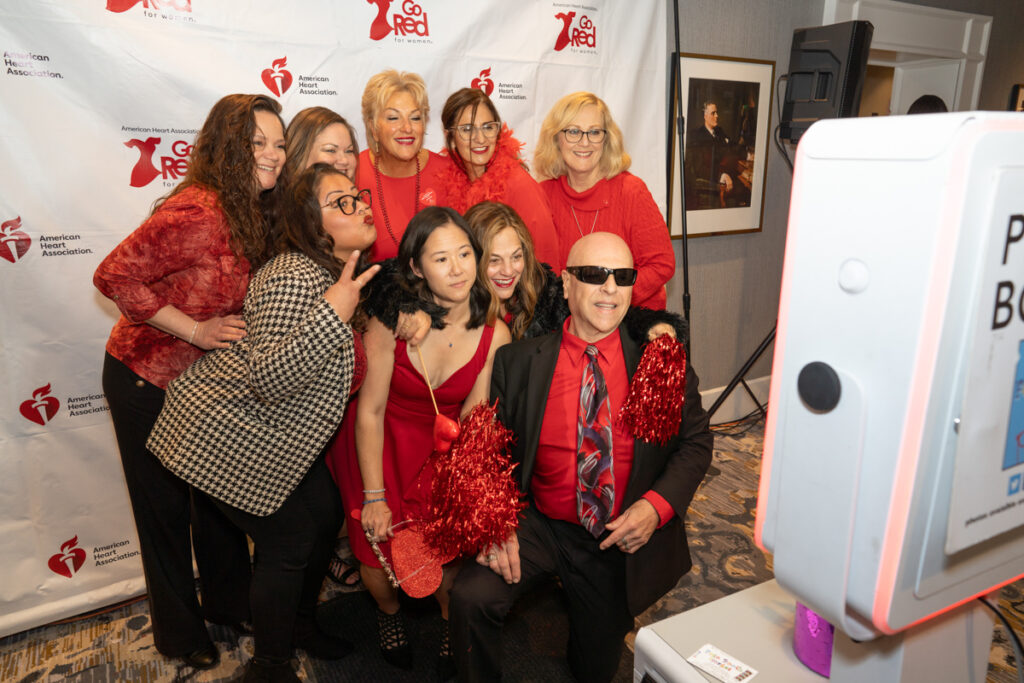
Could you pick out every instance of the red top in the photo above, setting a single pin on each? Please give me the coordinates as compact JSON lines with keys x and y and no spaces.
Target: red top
{"x":179,"y":256}
{"x":506,"y":181}
{"x":399,"y":200}
{"x":622,"y":205}
{"x":554,"y":475}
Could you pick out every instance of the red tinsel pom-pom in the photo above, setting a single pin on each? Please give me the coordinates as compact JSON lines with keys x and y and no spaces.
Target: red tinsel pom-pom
{"x":474,"y":499}
{"x":653,"y":409}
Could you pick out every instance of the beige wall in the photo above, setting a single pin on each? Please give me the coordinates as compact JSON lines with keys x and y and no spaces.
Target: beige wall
{"x":734,"y":280}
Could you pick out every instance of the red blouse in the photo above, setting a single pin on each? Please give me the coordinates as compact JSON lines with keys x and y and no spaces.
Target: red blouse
{"x":399,"y":200}
{"x":622,"y":205}
{"x":179,"y":256}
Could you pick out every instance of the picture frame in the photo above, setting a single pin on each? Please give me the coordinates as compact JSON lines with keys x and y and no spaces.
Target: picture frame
{"x":725,"y":166}
{"x":1016,"y":98}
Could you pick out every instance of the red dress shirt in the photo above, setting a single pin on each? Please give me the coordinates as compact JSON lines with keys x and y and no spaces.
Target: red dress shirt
{"x":554,"y":475}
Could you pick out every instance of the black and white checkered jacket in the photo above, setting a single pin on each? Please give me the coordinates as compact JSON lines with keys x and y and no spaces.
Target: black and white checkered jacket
{"x":245,"y":423}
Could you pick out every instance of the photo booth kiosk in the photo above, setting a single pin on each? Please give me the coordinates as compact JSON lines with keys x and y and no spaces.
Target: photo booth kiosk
{"x":891,"y":485}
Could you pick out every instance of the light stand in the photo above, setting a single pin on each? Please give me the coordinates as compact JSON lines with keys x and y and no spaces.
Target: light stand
{"x":677,"y":108}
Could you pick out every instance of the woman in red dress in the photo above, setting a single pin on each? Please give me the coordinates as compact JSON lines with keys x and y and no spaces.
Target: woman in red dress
{"x":401,"y":176}
{"x":582,"y":155}
{"x":384,"y":479}
{"x":484,"y":165}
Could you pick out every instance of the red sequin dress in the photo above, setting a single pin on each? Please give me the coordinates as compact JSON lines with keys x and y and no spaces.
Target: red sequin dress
{"x":408,"y":441}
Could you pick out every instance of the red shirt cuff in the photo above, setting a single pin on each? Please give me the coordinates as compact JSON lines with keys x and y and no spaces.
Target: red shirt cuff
{"x":661,"y":506}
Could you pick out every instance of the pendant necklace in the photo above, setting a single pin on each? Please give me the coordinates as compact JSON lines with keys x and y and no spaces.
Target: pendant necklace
{"x":380,"y":194}
{"x":592,"y":225}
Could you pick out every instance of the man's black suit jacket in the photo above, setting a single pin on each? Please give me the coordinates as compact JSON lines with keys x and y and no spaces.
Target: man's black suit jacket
{"x":520,"y":381}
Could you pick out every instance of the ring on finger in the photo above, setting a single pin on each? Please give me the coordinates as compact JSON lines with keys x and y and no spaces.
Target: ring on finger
{"x":492,"y":557}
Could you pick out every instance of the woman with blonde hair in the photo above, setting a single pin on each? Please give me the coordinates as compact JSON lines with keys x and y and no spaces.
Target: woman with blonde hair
{"x":401,"y":175}
{"x":581,"y":156}
{"x":321,"y":135}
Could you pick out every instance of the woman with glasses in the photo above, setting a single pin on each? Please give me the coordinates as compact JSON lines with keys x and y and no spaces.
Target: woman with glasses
{"x":179,"y":280}
{"x":401,"y":175}
{"x":484,"y":165}
{"x":581,"y":155}
{"x":321,"y":135}
{"x":249,"y":424}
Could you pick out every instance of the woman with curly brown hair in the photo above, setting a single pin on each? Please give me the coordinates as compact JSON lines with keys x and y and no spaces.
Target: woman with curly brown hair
{"x":179,"y":281}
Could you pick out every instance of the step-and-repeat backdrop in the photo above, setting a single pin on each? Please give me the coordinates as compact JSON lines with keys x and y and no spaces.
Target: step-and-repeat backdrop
{"x":101,"y":101}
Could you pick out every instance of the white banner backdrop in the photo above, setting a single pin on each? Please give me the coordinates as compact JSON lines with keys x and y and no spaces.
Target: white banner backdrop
{"x":101,"y":102}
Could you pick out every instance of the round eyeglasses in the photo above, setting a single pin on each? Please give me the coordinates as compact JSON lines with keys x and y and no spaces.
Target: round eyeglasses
{"x":573,"y":135}
{"x":346,"y":203}
{"x":466,"y":131}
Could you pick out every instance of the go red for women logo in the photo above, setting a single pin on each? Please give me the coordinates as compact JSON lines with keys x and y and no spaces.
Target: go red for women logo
{"x":13,"y":241}
{"x":69,"y":560}
{"x":483,"y":82}
{"x":411,"y":21}
{"x":42,"y":407}
{"x":171,"y":167}
{"x":277,"y":78}
{"x":583,"y":34}
{"x":125,"y":5}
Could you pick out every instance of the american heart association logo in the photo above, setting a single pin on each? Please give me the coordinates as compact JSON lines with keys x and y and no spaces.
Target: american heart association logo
{"x":69,"y":560}
{"x":41,"y":407}
{"x":277,"y":78}
{"x":13,"y":242}
{"x":483,"y":82}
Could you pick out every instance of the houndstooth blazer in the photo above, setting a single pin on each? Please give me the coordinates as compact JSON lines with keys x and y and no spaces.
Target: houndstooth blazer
{"x":245,"y":423}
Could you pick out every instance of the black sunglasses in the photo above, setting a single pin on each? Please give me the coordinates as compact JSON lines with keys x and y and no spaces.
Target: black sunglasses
{"x":598,"y":275}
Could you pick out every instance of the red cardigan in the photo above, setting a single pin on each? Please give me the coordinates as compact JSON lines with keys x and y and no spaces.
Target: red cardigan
{"x":179,"y":256}
{"x":625,"y":207}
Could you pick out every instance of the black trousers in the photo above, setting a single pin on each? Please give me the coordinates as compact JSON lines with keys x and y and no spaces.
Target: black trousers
{"x":167,"y":511}
{"x":293,"y":547}
{"x":595,"y":586}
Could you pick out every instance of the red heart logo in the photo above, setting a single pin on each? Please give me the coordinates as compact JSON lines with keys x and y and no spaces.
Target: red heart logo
{"x":277,"y":79}
{"x":40,"y":408}
{"x":13,"y":242}
{"x":59,"y":563}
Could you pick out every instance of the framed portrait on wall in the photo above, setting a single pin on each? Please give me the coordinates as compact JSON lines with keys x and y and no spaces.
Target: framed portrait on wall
{"x":727,"y":104}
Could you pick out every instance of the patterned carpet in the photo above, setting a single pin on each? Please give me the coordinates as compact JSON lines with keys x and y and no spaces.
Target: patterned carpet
{"x":117,"y":645}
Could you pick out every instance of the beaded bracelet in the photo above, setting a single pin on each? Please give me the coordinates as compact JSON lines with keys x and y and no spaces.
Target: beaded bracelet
{"x":373,"y":490}
{"x":193,"y":335}
{"x":374,"y":500}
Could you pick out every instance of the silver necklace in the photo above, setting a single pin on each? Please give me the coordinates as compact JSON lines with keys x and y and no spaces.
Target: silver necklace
{"x":592,"y":225}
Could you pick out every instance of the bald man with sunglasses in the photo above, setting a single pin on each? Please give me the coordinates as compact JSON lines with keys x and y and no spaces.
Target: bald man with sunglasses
{"x":605,"y":511}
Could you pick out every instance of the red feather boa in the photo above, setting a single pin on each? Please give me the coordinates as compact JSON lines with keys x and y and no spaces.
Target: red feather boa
{"x":490,"y":187}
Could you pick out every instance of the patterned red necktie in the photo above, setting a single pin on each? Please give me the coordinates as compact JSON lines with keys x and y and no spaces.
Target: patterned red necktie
{"x":595,"y":486}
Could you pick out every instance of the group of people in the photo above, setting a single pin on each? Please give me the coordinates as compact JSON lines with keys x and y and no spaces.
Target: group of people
{"x":280,"y":358}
